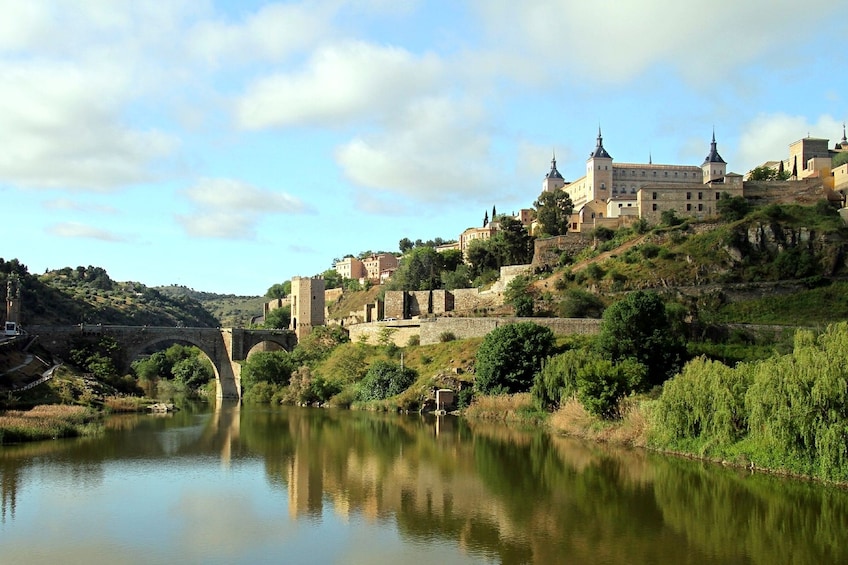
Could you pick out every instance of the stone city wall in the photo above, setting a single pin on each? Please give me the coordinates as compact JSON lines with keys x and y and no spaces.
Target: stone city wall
{"x":806,"y":191}
{"x":430,"y":330}
{"x":546,"y":251}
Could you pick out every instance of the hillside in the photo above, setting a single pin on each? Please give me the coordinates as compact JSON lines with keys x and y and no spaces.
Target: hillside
{"x":229,"y":309}
{"x":88,"y":294}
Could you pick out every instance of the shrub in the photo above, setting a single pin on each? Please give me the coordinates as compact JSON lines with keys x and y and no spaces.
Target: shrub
{"x":413,"y":340}
{"x":649,"y":250}
{"x":445,"y":337}
{"x":557,"y":381}
{"x":601,"y":384}
{"x":594,"y":271}
{"x":580,"y":304}
{"x":510,"y":356}
{"x":385,"y":379}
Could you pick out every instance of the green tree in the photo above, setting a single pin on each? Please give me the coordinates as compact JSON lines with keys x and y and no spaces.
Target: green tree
{"x":601,"y":384}
{"x":385,"y":379}
{"x":638,"y":327}
{"x":332,"y":279}
{"x":510,"y":356}
{"x":279,"y":290}
{"x":512,"y":244}
{"x":273,"y":367}
{"x":765,"y":173}
{"x":278,"y":318}
{"x":405,"y":245}
{"x":553,"y":211}
{"x":733,"y":208}
{"x":193,"y":372}
{"x":420,"y":269}
{"x":519,"y":294}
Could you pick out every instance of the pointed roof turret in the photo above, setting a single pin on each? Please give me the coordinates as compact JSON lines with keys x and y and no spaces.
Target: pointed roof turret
{"x":599,"y":151}
{"x":713,"y":157}
{"x":844,"y":144}
{"x":554,"y":173}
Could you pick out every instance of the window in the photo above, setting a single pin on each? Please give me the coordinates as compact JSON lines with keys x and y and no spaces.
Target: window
{"x":675,"y":173}
{"x":653,"y":196}
{"x":688,"y":196}
{"x":700,"y":196}
{"x":665,"y":173}
{"x":655,"y":173}
{"x":603,"y":186}
{"x":643,"y":173}
{"x":700,"y":207}
{"x":654,"y":207}
{"x":718,"y":196}
{"x":684,"y":175}
{"x":688,"y":207}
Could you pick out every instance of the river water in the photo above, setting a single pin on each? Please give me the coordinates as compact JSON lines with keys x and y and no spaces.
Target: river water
{"x":296,"y":485}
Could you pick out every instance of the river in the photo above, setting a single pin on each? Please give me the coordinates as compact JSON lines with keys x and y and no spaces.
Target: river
{"x":297,"y":485}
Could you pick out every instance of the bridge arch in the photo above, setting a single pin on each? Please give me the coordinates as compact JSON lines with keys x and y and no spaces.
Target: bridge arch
{"x":225,"y":347}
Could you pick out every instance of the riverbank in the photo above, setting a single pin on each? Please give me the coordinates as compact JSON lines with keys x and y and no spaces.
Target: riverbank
{"x":51,"y":421}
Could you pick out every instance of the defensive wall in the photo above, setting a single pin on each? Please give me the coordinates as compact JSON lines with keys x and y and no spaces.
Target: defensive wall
{"x":430,"y":330}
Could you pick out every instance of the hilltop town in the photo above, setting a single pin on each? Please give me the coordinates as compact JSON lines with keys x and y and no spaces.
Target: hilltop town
{"x":609,"y":197}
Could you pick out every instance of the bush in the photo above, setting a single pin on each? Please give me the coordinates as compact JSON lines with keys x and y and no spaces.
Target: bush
{"x":601,"y":384}
{"x":557,"y":381}
{"x":445,"y":337}
{"x":413,"y":340}
{"x":510,"y":356}
{"x":580,"y":304}
{"x":385,"y":379}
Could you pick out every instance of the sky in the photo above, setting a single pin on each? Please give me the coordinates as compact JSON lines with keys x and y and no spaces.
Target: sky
{"x":230,"y":145}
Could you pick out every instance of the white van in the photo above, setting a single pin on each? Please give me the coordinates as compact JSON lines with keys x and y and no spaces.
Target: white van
{"x":11,"y":329}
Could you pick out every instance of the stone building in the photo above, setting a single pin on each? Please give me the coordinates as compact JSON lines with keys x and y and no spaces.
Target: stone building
{"x":351,"y":268}
{"x":307,"y":304}
{"x":613,"y":194}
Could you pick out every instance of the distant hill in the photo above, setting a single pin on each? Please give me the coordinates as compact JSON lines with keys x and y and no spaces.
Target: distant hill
{"x":231,"y":310}
{"x":88,"y":294}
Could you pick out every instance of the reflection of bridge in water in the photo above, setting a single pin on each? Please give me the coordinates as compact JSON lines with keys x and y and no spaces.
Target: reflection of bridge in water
{"x":224,"y":347}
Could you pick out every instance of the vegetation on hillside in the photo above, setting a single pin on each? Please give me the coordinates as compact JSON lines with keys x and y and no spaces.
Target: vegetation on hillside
{"x":89,"y":295}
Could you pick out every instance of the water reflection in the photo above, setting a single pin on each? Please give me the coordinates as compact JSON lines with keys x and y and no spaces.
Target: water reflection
{"x":491,"y":493}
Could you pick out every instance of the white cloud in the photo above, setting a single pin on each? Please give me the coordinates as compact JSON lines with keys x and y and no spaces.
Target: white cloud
{"x":274,"y":32}
{"x":437,"y":150}
{"x":612,"y":42}
{"x":227,"y":208}
{"x":340,"y":83}
{"x":61,"y":128}
{"x":767,"y":137}
{"x":83,"y":231}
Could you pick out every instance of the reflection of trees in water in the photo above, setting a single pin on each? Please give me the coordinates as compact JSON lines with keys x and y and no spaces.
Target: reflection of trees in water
{"x":517,"y":496}
{"x":732,"y":513}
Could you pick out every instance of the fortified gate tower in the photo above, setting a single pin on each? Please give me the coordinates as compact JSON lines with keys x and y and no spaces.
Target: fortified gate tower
{"x":307,"y":304}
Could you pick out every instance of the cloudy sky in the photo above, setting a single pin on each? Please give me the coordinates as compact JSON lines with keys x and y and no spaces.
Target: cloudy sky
{"x":230,"y":145}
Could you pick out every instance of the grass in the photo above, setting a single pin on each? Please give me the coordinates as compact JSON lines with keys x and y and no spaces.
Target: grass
{"x":632,"y":429}
{"x":513,"y":408}
{"x":46,"y":422}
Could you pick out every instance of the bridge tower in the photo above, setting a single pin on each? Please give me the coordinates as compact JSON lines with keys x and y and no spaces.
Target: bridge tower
{"x":13,"y":299}
{"x":307,"y":304}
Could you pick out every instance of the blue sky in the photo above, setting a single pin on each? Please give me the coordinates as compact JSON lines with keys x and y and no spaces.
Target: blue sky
{"x":228,"y":146}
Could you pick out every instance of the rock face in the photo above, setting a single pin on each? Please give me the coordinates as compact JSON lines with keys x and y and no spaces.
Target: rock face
{"x":768,"y":240}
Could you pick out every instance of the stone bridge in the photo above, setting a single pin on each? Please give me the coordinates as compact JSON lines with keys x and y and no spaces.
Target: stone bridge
{"x":223,"y":346}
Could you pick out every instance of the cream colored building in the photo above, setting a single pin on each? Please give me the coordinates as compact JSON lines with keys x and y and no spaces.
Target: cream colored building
{"x":351,"y":268}
{"x":307,"y":304}
{"x":613,"y":192}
